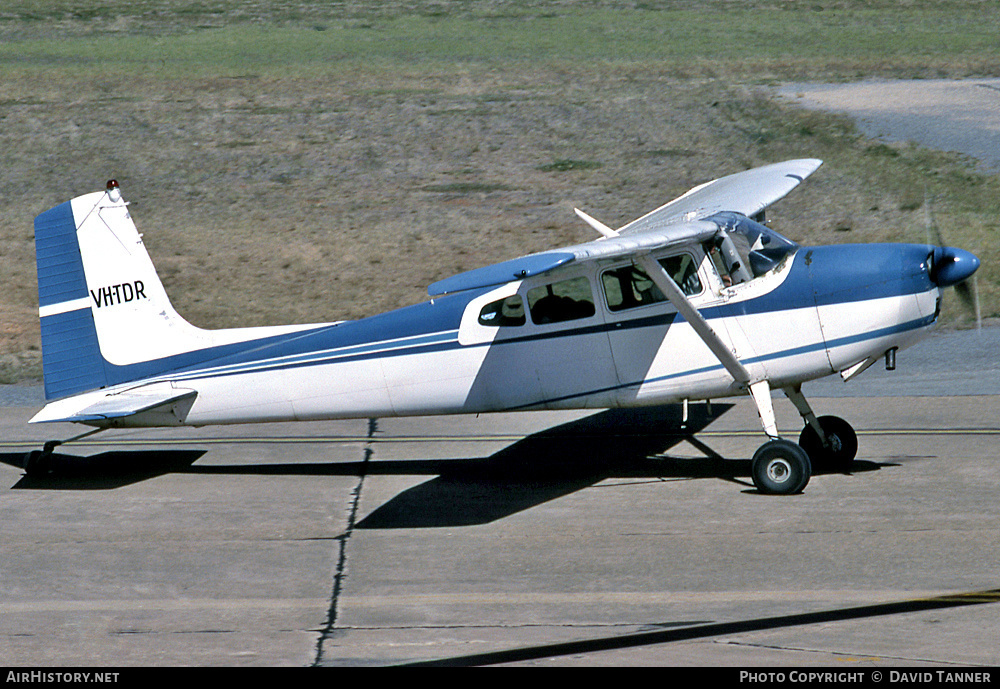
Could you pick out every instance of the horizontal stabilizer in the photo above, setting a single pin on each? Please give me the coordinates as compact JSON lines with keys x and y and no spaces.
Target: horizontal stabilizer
{"x":101,"y":410}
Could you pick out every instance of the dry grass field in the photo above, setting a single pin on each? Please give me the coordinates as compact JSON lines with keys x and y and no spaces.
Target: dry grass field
{"x":308,"y":161}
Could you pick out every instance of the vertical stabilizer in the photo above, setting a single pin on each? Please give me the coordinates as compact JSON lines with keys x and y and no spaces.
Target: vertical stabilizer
{"x":102,"y":306}
{"x":105,"y":317}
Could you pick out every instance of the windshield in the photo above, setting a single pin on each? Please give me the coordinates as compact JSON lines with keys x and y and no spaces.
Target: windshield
{"x":764,"y":247}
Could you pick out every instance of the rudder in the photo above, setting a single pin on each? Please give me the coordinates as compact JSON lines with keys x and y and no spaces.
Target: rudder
{"x":71,"y":356}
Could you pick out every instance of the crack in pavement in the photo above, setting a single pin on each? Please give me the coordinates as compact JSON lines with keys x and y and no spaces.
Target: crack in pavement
{"x":340,"y":573}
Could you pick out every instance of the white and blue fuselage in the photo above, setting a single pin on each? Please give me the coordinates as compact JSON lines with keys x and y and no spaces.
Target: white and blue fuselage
{"x":823,"y":310}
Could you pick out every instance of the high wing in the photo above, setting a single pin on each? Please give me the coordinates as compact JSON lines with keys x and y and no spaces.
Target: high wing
{"x":536,"y":264}
{"x":748,"y":192}
{"x":681,"y":221}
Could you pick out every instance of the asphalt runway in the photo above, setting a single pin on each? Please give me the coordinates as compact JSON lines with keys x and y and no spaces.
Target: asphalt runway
{"x":541,"y":538}
{"x":960,"y":115}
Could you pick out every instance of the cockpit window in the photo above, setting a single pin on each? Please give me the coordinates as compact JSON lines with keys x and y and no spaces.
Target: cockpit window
{"x":730,"y":259}
{"x":629,"y":286}
{"x":503,"y":312}
{"x":566,"y":300}
{"x":684,"y":272}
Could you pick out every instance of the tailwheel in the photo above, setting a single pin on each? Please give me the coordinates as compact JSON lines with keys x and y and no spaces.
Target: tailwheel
{"x":39,"y":462}
{"x":841,"y":447}
{"x":780,"y":467}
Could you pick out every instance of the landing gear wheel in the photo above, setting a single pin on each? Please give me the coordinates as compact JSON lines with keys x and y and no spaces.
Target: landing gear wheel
{"x":780,"y":467}
{"x":842,"y":449}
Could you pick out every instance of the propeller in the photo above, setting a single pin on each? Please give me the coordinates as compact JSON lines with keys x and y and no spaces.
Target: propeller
{"x":953,"y":267}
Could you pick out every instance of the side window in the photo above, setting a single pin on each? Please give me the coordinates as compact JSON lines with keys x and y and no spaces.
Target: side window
{"x":503,"y":312}
{"x":628,"y":287}
{"x":561,"y":301}
{"x":683,"y":270}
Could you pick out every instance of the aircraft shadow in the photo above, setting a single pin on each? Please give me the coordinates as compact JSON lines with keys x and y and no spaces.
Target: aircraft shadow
{"x":103,"y":471}
{"x":617,"y":443}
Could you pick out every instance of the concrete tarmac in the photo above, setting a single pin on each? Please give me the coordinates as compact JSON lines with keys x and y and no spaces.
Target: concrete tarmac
{"x":615,"y":537}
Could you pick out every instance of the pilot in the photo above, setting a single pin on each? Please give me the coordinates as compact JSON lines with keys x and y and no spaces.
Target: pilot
{"x":720,"y":266}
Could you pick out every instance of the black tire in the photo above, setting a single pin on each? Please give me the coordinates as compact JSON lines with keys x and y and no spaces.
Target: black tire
{"x":780,"y":467}
{"x":843,"y":444}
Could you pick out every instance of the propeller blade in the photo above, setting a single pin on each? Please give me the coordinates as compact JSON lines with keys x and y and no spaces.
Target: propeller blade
{"x":934,"y":235}
{"x":952,"y":267}
{"x":970,"y":298}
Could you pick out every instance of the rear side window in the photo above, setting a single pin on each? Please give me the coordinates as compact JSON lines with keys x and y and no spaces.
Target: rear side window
{"x":503,"y":312}
{"x":566,"y":300}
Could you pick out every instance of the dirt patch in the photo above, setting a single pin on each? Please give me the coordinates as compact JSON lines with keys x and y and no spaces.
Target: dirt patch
{"x":268,"y":201}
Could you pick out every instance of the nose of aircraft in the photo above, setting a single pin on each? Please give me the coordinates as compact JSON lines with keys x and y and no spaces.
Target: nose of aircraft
{"x":951,"y":266}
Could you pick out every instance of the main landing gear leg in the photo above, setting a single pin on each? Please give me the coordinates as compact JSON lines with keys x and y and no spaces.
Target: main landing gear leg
{"x":830,"y":442}
{"x":779,"y":466}
{"x":37,"y":462}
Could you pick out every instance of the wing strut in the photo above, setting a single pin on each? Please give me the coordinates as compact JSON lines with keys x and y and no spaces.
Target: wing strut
{"x":760,"y":390}
{"x":596,"y":224}
{"x":669,"y":288}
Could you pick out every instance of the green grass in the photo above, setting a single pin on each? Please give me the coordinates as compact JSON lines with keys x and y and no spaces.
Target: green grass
{"x":466,"y":188}
{"x":768,"y":43}
{"x":565,"y":165}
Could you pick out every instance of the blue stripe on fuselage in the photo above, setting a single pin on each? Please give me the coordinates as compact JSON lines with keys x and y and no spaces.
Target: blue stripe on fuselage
{"x":435,"y":316}
{"x":817,"y":276}
{"x":795,"y":351}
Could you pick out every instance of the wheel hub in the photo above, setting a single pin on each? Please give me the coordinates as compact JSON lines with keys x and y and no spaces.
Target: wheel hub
{"x":779,"y":470}
{"x":833,"y":443}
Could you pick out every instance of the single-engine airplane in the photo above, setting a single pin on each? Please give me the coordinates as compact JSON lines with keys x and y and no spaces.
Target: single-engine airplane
{"x":695,"y":300}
